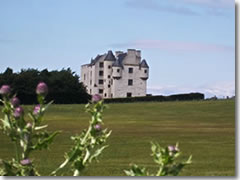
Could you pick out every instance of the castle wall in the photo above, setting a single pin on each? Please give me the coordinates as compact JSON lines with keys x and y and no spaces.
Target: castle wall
{"x":116,"y":84}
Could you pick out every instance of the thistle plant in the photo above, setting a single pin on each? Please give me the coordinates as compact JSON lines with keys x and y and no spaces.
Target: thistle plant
{"x":27,"y":136}
{"x":32,"y":135}
{"x":165,"y":158}
{"x":89,"y":144}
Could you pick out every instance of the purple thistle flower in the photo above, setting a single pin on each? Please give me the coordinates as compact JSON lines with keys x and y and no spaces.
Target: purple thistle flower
{"x":172,"y":149}
{"x":36,"y":109}
{"x":96,"y":98}
{"x":5,"y":90}
{"x":18,"y":112}
{"x":97,"y":127}
{"x":25,"y":162}
{"x":15,"y":102}
{"x":42,"y":89}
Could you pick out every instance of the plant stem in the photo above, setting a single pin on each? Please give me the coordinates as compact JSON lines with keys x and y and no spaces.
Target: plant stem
{"x":17,"y":152}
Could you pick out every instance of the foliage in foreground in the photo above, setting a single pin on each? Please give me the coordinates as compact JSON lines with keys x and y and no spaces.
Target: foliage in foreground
{"x":31,"y":136}
{"x":165,"y":158}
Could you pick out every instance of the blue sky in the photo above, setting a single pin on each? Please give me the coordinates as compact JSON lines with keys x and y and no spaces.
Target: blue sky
{"x":188,"y":44}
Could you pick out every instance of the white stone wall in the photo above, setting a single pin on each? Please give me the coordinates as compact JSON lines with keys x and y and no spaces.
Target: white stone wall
{"x":121,"y":87}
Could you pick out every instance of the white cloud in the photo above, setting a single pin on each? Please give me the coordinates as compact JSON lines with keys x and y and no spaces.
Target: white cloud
{"x":174,"y":46}
{"x":219,"y":89}
{"x":184,"y":7}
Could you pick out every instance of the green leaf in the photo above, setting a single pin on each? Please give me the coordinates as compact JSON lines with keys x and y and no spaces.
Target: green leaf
{"x":40,"y":127}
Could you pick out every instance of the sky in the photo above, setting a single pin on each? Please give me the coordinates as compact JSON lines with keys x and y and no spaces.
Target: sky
{"x":188,"y":44}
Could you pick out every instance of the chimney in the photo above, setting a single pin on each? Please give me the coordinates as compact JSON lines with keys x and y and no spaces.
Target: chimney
{"x":138,"y":53}
{"x":118,"y":52}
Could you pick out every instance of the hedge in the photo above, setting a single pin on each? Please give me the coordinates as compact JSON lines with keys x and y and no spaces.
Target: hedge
{"x":176,"y":97}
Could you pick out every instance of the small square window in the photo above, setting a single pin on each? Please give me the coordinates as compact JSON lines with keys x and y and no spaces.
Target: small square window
{"x":130,"y":70}
{"x":101,"y":64}
{"x":145,"y":71}
{"x":109,"y":76}
{"x":109,"y":67}
{"x":100,"y":73}
{"x":109,"y":86}
{"x":100,"y":91}
{"x":130,"y":82}
{"x":118,"y":70}
{"x":100,"y":81}
{"x":129,"y":94}
{"x":105,"y":95}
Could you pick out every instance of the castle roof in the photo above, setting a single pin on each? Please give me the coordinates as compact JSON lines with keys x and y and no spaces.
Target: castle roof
{"x":119,"y":61}
{"x":144,"y":64}
{"x":110,"y":56}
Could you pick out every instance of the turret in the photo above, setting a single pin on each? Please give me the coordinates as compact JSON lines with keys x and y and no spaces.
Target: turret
{"x":144,"y":70}
{"x":117,"y":69}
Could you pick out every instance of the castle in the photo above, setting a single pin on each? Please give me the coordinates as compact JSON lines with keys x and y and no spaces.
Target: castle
{"x":119,"y":75}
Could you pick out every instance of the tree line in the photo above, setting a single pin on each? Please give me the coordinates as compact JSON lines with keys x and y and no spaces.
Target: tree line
{"x":64,"y":85}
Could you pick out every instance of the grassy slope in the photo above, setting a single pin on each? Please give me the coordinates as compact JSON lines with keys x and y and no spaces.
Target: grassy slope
{"x":205,"y":129}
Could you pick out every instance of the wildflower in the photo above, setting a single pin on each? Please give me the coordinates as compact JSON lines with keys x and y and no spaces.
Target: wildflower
{"x":5,"y":90}
{"x":42,"y":89}
{"x":15,"y":102}
{"x":172,"y":150}
{"x":96,"y":98}
{"x":25,"y":162}
{"x":97,"y":127}
{"x":18,"y":112}
{"x":36,"y":109}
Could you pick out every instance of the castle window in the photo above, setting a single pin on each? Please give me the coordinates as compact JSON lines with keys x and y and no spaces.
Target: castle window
{"x":109,"y":76}
{"x":109,"y":86}
{"x":100,"y":73}
{"x":91,"y":73}
{"x":101,"y":64}
{"x":118,"y":70}
{"x":130,"y":82}
{"x":111,"y":95}
{"x":100,"y":81}
{"x":90,"y":82}
{"x":145,"y":71}
{"x":105,"y":95}
{"x":130,"y":70}
{"x":109,"y":67}
{"x":84,"y":76}
{"x":129,"y":94}
{"x":100,"y":91}
{"x":90,"y":91}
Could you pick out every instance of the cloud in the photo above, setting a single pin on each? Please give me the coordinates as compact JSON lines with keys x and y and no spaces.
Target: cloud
{"x":154,"y":6}
{"x":184,"y":7}
{"x":219,"y":89}
{"x":224,"y":4}
{"x":175,"y":46}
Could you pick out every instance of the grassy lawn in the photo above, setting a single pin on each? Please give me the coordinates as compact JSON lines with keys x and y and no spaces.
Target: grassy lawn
{"x":205,"y":129}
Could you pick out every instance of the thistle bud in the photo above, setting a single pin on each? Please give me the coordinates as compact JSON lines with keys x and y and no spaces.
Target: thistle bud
{"x":97,"y":127}
{"x":18,"y":112}
{"x":29,"y":125}
{"x":172,"y":150}
{"x":36,"y":109}
{"x":42,"y":89}
{"x":5,"y":90}
{"x":15,"y":102}
{"x":96,"y":98}
{"x":25,"y":162}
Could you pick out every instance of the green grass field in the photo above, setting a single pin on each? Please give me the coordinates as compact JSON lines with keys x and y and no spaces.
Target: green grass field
{"x":205,"y":129}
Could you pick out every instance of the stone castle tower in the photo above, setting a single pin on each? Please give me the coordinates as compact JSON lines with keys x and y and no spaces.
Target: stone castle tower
{"x":119,"y":75}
